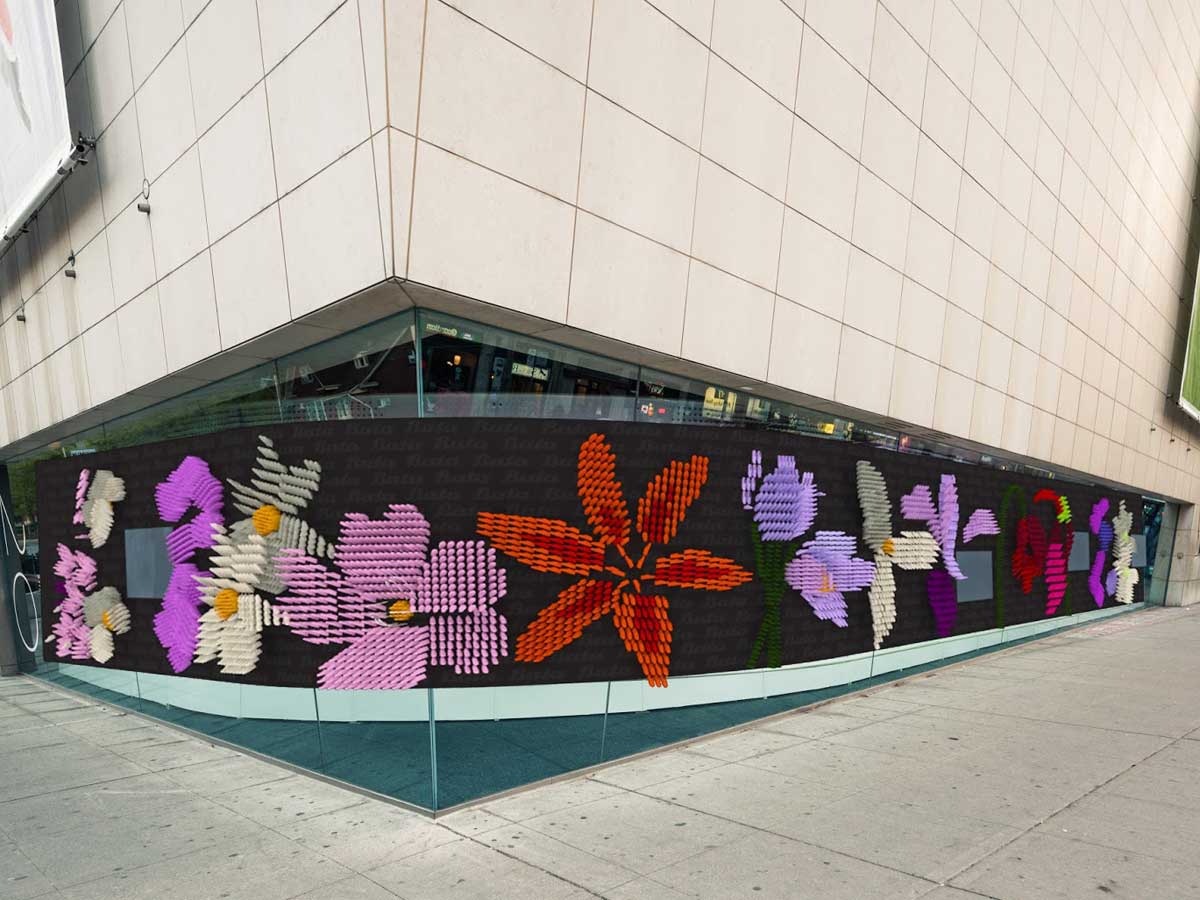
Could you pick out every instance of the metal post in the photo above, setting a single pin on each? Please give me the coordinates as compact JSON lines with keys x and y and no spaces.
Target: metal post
{"x":18,"y":640}
{"x":432,"y":747}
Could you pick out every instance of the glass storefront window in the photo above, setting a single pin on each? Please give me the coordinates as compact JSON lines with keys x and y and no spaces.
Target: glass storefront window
{"x":468,"y":369}
{"x":907,"y":443}
{"x":797,"y":419}
{"x":680,"y":401}
{"x":865,"y":434}
{"x":367,"y":374}
{"x":1158,"y":534}
{"x":247,"y":398}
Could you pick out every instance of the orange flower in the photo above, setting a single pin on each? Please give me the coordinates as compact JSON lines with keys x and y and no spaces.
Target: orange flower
{"x":623,"y":588}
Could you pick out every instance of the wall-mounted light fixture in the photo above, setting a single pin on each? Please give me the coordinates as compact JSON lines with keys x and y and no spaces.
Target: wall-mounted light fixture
{"x":69,"y":271}
{"x":144,"y":203}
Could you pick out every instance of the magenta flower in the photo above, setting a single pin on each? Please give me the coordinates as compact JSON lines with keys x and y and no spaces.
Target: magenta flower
{"x":397,"y":606}
{"x":824,"y":569}
{"x":191,"y":485}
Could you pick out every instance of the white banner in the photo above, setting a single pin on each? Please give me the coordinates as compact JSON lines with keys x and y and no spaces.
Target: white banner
{"x":35,"y":137}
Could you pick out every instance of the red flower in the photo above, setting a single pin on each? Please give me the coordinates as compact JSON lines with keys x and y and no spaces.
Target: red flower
{"x":623,"y":583}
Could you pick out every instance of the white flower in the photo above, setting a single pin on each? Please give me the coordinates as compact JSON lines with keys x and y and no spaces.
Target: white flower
{"x":96,"y":509}
{"x":274,"y":502}
{"x":231,"y":628}
{"x":908,"y":549}
{"x":105,"y":614}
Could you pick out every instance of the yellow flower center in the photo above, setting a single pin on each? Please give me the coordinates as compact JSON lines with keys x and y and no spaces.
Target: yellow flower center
{"x":266,"y":519}
{"x":826,"y":583}
{"x":226,"y":603}
{"x":889,"y":547}
{"x":400,"y":611}
{"x":104,"y":620}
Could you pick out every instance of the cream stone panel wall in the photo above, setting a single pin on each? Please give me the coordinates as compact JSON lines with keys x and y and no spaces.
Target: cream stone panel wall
{"x":258,"y":130}
{"x":968,"y":217}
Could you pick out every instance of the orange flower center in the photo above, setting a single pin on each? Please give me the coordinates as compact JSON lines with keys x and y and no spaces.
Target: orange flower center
{"x":266,"y":519}
{"x":104,"y":620}
{"x":889,"y":547}
{"x":225,"y":603}
{"x":400,"y":611}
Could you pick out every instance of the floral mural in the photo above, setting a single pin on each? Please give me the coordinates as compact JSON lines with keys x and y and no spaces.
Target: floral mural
{"x":252,"y":589}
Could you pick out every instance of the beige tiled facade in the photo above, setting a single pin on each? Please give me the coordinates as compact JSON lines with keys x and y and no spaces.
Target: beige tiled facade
{"x":964,"y":217}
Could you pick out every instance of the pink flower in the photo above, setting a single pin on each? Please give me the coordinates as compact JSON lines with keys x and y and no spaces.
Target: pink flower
{"x":397,"y":606}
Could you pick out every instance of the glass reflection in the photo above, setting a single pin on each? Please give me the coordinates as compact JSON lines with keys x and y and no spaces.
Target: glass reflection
{"x":469,"y":369}
{"x":247,"y":398}
{"x":366,"y":374}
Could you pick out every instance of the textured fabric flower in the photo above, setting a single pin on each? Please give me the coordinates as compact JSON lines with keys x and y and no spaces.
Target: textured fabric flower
{"x":908,"y":549}
{"x":1058,"y":548}
{"x":219,"y":613}
{"x":94,"y":504}
{"x":785,"y":505}
{"x":612,"y":580}
{"x":397,"y":606}
{"x":1123,"y":576}
{"x":942,"y":519}
{"x":1103,"y":530}
{"x":87,"y":618}
{"x":191,"y":485}
{"x":231,"y":626}
{"x":105,"y":615}
{"x":824,"y":569}
{"x":273,"y":505}
{"x":69,"y":633}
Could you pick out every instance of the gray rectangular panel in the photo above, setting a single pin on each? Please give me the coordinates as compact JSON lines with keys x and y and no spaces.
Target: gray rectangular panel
{"x":147,"y":568}
{"x":1139,"y":551}
{"x":1080,"y":559}
{"x":977,"y":566}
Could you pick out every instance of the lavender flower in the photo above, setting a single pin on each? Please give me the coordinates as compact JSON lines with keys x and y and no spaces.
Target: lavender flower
{"x":825,"y":568}
{"x":786,"y":503}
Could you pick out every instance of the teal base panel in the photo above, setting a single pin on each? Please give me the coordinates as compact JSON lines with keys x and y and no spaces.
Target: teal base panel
{"x":439,"y":749}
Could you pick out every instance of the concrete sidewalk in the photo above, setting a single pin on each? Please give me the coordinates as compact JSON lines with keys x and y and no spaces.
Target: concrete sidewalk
{"x":1068,"y":767}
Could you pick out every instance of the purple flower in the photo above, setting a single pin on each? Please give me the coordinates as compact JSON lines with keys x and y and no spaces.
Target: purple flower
{"x":824,"y":569}
{"x":786,"y":503}
{"x":190,"y":486}
{"x":750,"y":482}
{"x":942,"y":519}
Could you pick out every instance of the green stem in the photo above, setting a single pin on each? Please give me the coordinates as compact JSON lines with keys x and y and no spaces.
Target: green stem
{"x":771,"y":559}
{"x":769,"y":635}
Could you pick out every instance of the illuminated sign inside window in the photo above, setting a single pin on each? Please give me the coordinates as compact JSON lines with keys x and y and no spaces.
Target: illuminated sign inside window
{"x":535,"y":372}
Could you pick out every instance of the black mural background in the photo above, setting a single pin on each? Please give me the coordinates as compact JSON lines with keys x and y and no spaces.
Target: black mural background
{"x":453,"y":469}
